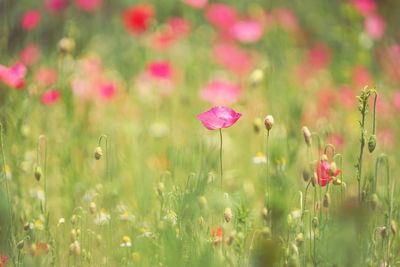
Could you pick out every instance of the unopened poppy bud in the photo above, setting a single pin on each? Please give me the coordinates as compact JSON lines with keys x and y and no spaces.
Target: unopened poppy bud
{"x":327,"y":200}
{"x":20,"y":244}
{"x":38,"y":173}
{"x":314,"y":179}
{"x":75,"y":248}
{"x":307,"y":135}
{"x":306,"y":175}
{"x":98,"y":153}
{"x":228,"y":215}
{"x":160,"y":188}
{"x":257,"y":125}
{"x":268,"y":122}
{"x":92,"y":207}
{"x":202,"y":202}
{"x":315,"y":222}
{"x":74,"y":219}
{"x":66,"y":45}
{"x":393,"y":227}
{"x":256,"y":77}
{"x":324,"y":157}
{"x":372,"y":143}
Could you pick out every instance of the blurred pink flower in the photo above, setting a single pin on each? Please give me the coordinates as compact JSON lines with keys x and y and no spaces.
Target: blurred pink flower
{"x":375,"y":26}
{"x":46,"y":76}
{"x":232,"y":58}
{"x":389,"y":57}
{"x":361,"y":77}
{"x":51,"y":97}
{"x":55,"y":5}
{"x":220,"y":92}
{"x":88,"y":5}
{"x":30,"y":54}
{"x":287,"y":19}
{"x":396,"y":100}
{"x":365,"y":7}
{"x":107,"y":91}
{"x":196,"y":3}
{"x":221,"y":16}
{"x":336,"y":139}
{"x":247,"y":31}
{"x":137,"y":18}
{"x":319,"y":56}
{"x":178,"y":26}
{"x":219,"y":117}
{"x":347,"y":97}
{"x":30,"y":19}
{"x":324,"y":173}
{"x":13,"y":76}
{"x":160,"y":70}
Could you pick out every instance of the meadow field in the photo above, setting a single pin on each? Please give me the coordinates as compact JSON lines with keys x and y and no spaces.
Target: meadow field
{"x":176,"y":133}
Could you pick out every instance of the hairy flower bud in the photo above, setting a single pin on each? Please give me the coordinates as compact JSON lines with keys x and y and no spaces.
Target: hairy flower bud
{"x":98,"y":153}
{"x":228,"y":215}
{"x":38,"y":173}
{"x":307,"y":135}
{"x":20,"y":244}
{"x":306,"y":176}
{"x":268,"y":122}
{"x":372,"y":143}
{"x":257,"y":124}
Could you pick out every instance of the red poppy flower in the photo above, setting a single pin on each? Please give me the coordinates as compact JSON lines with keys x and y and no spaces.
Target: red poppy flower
{"x":217,"y":234}
{"x":325,"y":173}
{"x":137,"y":18}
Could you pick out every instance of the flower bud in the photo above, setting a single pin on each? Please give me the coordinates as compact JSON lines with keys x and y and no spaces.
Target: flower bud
{"x":307,"y":135}
{"x":336,"y":181}
{"x":98,"y":153}
{"x":38,"y":173}
{"x":92,"y":207}
{"x":66,"y":45}
{"x":74,"y":235}
{"x":333,"y":168}
{"x":256,"y":77}
{"x":75,"y":248}
{"x":74,"y":219}
{"x":372,"y":143}
{"x":324,"y":157}
{"x":315,"y":222}
{"x":265,"y":213}
{"x":160,"y":188}
{"x":257,"y":124}
{"x":268,"y":122}
{"x":266,"y":232}
{"x":306,"y":176}
{"x":314,"y":179}
{"x":202,"y":202}
{"x":228,"y":215}
{"x":20,"y":244}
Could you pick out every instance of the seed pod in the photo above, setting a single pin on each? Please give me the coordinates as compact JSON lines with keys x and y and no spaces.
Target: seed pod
{"x":326,"y":201}
{"x":372,"y":143}
{"x":268,"y":122}
{"x":98,"y":153}
{"x":38,"y":173}
{"x":228,"y":215}
{"x":307,"y":135}
{"x":66,"y":45}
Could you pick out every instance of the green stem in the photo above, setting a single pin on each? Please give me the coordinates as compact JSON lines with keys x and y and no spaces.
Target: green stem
{"x":267,"y":180}
{"x":220,"y":155}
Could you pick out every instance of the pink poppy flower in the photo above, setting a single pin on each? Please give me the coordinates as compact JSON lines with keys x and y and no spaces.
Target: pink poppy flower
{"x":137,"y":18}
{"x":319,"y":56}
{"x":287,"y":19}
{"x":51,"y":97}
{"x":389,"y":57}
{"x":30,"y":54}
{"x":365,"y":7}
{"x":361,"y":77}
{"x":247,"y":31}
{"x":178,"y":26}
{"x":325,"y":173}
{"x":46,"y":76}
{"x":221,"y":16}
{"x":160,"y":70}
{"x":221,"y":92}
{"x":30,"y":19}
{"x":396,"y":100}
{"x":219,"y":117}
{"x":13,"y":76}
{"x":55,"y":5}
{"x":375,"y":26}
{"x":107,"y":91}
{"x":198,"y":4}
{"x":233,"y":58}
{"x":88,"y":5}
{"x":347,"y":97}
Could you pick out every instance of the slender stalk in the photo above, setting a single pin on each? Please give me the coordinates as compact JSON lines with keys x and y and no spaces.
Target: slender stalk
{"x":220,"y":156}
{"x":267,"y":180}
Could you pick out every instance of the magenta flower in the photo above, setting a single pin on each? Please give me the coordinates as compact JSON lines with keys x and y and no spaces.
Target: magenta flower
{"x":221,"y":16}
{"x":13,"y":76}
{"x":197,"y":4}
{"x":51,"y":97}
{"x":88,"y":5}
{"x":375,"y":26}
{"x":219,"y":117}
{"x":220,"y":92}
{"x":160,"y":70}
{"x":325,"y":173}
{"x":247,"y":31}
{"x":30,"y":54}
{"x":55,"y":5}
{"x":30,"y":19}
{"x":233,"y":58}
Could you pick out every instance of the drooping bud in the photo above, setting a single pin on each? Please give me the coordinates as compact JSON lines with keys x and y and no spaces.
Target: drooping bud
{"x":38,"y":173}
{"x":314,"y":179}
{"x":228,"y":215}
{"x":74,"y":219}
{"x":307,"y":135}
{"x":98,"y":153}
{"x":20,"y":244}
{"x":268,"y":122}
{"x":372,"y":143}
{"x":257,"y":124}
{"x":306,"y":176}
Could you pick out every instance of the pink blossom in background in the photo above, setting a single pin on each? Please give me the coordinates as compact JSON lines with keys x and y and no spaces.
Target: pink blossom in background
{"x":319,"y":56}
{"x":160,"y":70}
{"x":46,"y":76}
{"x":30,"y":19}
{"x":336,"y":139}
{"x":13,"y":76}
{"x":389,"y":58}
{"x":51,"y":97}
{"x":365,"y":7}
{"x":247,"y":31}
{"x":396,"y":100}
{"x":107,"y":90}
{"x":55,"y":5}
{"x":221,"y":16}
{"x":347,"y":97}
{"x":233,"y":58}
{"x":375,"y":26}
{"x":178,"y":26}
{"x":219,"y":117}
{"x":361,"y":77}
{"x":30,"y":54}
{"x":220,"y":92}
{"x":88,"y":5}
{"x":386,"y":137}
{"x":287,"y":19}
{"x":198,"y":4}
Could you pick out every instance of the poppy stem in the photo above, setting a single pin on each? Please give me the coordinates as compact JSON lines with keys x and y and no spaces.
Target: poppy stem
{"x":220,"y":155}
